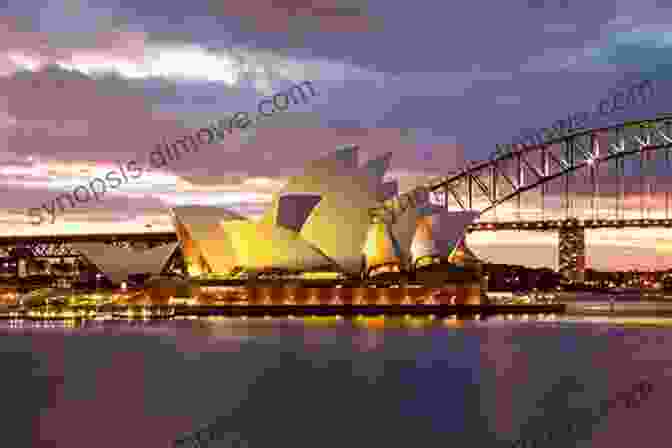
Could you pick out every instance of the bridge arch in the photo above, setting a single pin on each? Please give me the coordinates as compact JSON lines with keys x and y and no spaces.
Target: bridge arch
{"x":556,"y":158}
{"x":486,"y":185}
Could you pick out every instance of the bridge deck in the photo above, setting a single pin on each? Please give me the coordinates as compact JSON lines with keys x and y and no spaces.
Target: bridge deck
{"x":95,"y":237}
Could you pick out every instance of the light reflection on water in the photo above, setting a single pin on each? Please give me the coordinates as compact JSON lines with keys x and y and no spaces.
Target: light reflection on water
{"x":382,"y":381}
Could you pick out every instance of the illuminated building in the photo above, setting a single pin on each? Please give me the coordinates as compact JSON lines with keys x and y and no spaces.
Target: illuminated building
{"x":320,"y":222}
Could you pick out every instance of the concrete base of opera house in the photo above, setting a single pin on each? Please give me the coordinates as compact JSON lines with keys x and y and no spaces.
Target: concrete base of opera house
{"x":288,"y":294}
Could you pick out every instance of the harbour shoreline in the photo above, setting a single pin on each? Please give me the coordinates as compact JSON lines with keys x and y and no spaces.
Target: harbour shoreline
{"x":170,"y":311}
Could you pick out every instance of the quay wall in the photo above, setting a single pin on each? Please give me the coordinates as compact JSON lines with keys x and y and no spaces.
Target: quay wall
{"x":466,"y":293}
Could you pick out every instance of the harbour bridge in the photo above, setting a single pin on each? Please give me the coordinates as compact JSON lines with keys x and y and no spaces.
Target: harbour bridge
{"x":610,"y":177}
{"x":560,"y":185}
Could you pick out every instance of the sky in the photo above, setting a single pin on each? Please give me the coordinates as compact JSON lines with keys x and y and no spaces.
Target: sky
{"x":88,"y":83}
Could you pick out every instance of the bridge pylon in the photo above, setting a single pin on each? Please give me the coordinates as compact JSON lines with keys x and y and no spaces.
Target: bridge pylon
{"x":572,"y":251}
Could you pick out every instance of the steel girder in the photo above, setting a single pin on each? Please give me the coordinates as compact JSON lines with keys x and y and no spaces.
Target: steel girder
{"x":551,"y":224}
{"x":483,"y":186}
{"x":167,"y":237}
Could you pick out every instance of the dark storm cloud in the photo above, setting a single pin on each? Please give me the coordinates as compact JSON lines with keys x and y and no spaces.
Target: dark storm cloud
{"x":649,"y":58}
{"x":639,"y":93}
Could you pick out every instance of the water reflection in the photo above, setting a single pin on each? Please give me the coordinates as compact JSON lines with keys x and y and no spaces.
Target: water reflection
{"x":388,"y":379}
{"x":381,"y":322}
{"x":368,"y":341}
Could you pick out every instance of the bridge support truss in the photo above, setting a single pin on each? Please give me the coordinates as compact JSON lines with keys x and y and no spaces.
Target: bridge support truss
{"x":572,"y":252}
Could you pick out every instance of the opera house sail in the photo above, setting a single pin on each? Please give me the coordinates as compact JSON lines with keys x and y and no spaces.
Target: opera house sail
{"x":117,"y":263}
{"x":205,"y":247}
{"x":381,"y":251}
{"x":439,"y":234}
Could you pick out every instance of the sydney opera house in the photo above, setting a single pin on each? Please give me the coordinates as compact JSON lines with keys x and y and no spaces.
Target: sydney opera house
{"x":319,"y":223}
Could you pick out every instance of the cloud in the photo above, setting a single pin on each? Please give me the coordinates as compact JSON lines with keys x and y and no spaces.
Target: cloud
{"x":648,"y":57}
{"x":560,"y":28}
{"x":452,"y":84}
{"x":507,"y":100}
{"x":624,"y":42}
{"x":299,"y":16}
{"x":130,"y":55}
{"x":567,"y":59}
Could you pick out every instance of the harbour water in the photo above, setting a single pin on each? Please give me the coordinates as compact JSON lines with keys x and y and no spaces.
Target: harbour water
{"x":334,"y":382}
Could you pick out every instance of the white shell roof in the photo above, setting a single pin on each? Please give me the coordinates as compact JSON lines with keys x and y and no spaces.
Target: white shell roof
{"x":441,"y":232}
{"x":380,"y":246}
{"x":118,"y":262}
{"x":203,"y":224}
{"x":339,"y":222}
{"x":259,"y":246}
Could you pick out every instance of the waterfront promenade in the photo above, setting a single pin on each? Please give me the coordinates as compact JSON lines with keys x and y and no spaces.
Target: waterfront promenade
{"x":172,"y":311}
